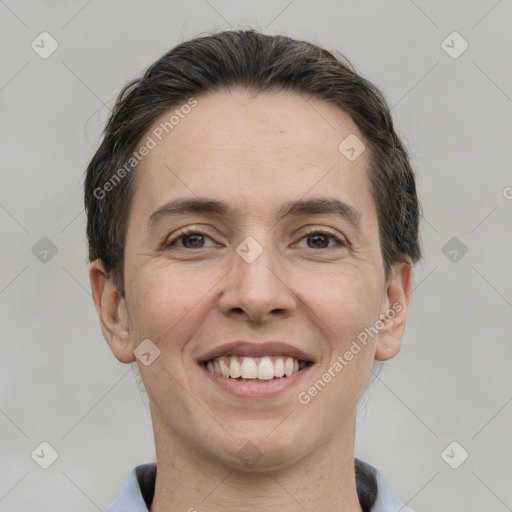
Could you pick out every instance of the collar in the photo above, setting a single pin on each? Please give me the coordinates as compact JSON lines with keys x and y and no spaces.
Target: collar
{"x":139,"y":487}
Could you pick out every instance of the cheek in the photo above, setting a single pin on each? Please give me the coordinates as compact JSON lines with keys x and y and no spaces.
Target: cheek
{"x":347,"y":305}
{"x":162,"y":310}
{"x":346,"y":301}
{"x":165,"y":303}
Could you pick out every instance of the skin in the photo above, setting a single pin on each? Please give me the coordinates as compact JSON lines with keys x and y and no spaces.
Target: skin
{"x":256,"y":153}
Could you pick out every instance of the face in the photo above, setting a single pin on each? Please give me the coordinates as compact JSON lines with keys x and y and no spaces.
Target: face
{"x":286,"y":260}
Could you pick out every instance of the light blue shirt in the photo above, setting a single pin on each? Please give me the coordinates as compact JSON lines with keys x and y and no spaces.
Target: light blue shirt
{"x":130,"y":498}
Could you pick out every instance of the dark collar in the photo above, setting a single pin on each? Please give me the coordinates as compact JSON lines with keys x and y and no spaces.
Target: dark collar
{"x":366,"y":483}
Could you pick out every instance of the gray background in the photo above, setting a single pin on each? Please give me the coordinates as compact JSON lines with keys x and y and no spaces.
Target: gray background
{"x":60,"y":383}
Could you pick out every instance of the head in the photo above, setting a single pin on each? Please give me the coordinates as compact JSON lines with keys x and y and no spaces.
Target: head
{"x":298,"y":223}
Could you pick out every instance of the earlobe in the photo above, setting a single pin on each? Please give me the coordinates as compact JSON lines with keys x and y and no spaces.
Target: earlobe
{"x":387,"y":348}
{"x":112,"y":313}
{"x":398,"y":292}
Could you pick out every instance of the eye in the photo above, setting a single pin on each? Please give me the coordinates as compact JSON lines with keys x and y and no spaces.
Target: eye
{"x":191,"y":238}
{"x":194,"y":238}
{"x":320,"y":238}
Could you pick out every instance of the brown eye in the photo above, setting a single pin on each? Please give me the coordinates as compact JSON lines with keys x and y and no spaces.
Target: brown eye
{"x":190,"y":239}
{"x":320,"y":239}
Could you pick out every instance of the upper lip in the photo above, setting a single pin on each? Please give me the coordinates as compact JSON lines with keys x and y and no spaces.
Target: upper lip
{"x":246,"y":348}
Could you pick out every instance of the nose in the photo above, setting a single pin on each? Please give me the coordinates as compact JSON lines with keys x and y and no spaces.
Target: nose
{"x":257,"y":289}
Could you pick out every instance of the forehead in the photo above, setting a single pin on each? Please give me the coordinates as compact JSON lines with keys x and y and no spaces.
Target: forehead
{"x":225,"y":121}
{"x":251,"y":149}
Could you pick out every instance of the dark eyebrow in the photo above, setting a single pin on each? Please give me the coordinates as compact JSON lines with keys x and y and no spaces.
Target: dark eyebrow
{"x":184,"y":206}
{"x":320,"y":206}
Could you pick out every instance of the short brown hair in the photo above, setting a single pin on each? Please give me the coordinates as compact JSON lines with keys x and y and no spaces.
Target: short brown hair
{"x":258,"y":63}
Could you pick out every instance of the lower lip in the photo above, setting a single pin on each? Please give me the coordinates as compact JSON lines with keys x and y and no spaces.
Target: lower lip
{"x":258,"y":388}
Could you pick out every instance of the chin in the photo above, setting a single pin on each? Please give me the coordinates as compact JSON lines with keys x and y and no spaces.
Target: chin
{"x":262,"y":453}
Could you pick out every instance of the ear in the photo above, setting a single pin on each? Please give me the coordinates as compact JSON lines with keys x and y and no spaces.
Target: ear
{"x":112,"y":313}
{"x":394,"y":314}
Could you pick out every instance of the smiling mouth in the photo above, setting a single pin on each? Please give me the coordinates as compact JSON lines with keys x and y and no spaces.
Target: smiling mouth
{"x":254,"y":369}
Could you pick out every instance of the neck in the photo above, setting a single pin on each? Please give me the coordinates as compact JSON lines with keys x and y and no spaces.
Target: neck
{"x":189,"y":480}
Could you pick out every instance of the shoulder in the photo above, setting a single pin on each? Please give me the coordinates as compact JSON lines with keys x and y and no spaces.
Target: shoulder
{"x":137,"y":491}
{"x":387,"y":500}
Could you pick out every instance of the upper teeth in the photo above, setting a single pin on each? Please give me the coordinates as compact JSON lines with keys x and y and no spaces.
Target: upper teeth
{"x":264,"y":368}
